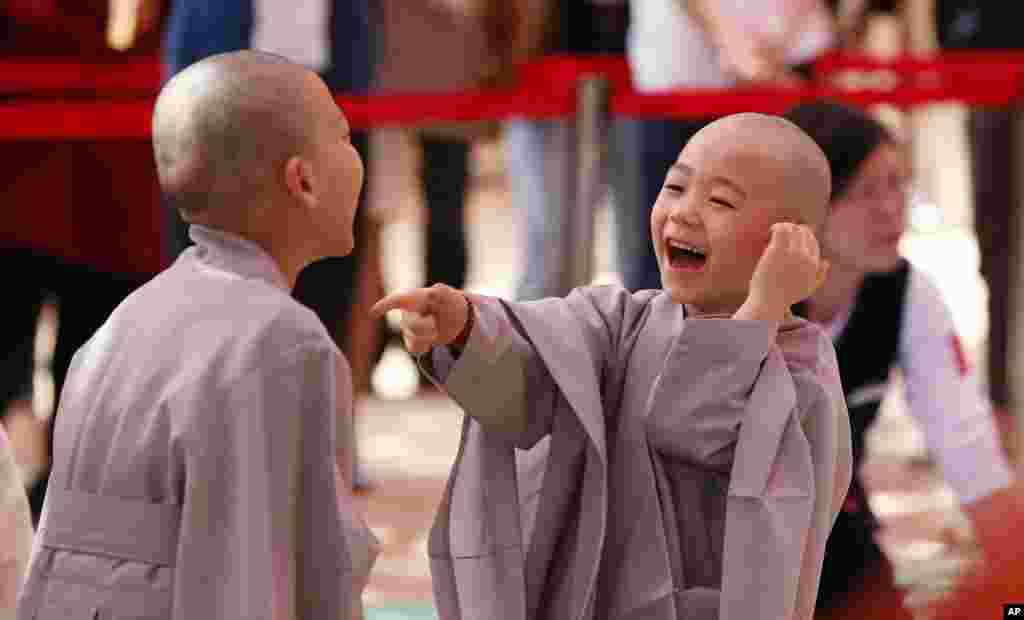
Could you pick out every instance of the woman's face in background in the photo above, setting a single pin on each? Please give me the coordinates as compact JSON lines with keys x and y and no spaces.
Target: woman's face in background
{"x":866,"y":222}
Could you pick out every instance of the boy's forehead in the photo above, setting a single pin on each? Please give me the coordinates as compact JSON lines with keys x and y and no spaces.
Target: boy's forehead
{"x":740,"y":156}
{"x":724,"y":137}
{"x":766,"y":158}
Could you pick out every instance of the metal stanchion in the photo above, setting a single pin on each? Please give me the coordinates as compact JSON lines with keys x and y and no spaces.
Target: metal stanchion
{"x":590,"y":137}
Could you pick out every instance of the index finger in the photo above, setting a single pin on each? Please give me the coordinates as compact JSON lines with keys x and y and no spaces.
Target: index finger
{"x":413,"y":301}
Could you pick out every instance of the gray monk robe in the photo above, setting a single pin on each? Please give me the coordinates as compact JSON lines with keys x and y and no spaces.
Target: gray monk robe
{"x":619,"y":461}
{"x":194,"y":471}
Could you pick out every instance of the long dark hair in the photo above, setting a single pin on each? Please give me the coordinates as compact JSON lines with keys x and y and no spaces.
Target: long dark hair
{"x":848,"y":136}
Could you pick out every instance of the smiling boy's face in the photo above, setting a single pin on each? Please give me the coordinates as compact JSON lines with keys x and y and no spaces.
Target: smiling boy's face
{"x":713,"y":217}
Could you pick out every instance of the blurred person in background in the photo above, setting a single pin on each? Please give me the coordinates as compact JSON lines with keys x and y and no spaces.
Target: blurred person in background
{"x":336,"y":39}
{"x":444,"y":46}
{"x":991,"y":132}
{"x":540,"y":155}
{"x":76,"y":226}
{"x":997,"y":580}
{"x":883,"y":313}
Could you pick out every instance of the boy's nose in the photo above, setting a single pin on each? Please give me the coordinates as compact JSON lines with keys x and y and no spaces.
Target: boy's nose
{"x":684,"y":212}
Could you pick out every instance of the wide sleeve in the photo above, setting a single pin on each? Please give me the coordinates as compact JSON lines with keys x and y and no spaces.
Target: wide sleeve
{"x":502,"y":380}
{"x":709,"y":374}
{"x":825,"y":423}
{"x":15,"y":530}
{"x":943,"y":396}
{"x":789,"y":478}
{"x":261,"y":534}
{"x":498,"y":378}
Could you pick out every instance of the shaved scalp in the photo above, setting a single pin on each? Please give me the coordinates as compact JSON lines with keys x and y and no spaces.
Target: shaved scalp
{"x":807,"y":177}
{"x":223,"y":127}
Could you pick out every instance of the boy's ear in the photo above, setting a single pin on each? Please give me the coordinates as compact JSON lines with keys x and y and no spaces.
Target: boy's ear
{"x":823,"y":268}
{"x":299,"y":179}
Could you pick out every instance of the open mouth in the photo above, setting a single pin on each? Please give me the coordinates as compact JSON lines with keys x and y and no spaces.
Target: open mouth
{"x":685,"y":257}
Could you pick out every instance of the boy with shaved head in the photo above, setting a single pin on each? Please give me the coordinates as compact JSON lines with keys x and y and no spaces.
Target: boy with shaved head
{"x":195,"y":470}
{"x":657,"y":455}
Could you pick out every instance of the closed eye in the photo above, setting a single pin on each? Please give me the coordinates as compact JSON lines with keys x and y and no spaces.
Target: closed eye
{"x":674,"y":188}
{"x":723,"y":203}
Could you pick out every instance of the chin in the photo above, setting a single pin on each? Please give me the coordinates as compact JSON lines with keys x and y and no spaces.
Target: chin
{"x":885,"y":264}
{"x":340,"y":247}
{"x":680,"y":295}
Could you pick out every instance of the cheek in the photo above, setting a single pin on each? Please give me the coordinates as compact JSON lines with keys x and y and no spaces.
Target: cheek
{"x":351,"y":155}
{"x":659,"y":215}
{"x":845,"y":229}
{"x":743,"y":246}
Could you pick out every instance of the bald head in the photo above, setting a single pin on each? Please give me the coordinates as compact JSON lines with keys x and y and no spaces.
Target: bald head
{"x":805,"y":176}
{"x":223,"y":127}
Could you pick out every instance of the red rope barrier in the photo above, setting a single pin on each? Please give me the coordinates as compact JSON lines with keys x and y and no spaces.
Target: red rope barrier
{"x":463,"y":107}
{"x":35,"y":77}
{"x":130,"y":119}
{"x":546,"y":90}
{"x":713,"y":103}
{"x":988,"y":64}
{"x":76,"y":120}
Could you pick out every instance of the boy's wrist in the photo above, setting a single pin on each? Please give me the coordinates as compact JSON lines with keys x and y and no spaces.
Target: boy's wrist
{"x":757,"y":308}
{"x":467,"y":328}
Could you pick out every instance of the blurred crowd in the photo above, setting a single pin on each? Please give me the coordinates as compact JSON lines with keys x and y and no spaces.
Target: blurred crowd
{"x":85,"y":223}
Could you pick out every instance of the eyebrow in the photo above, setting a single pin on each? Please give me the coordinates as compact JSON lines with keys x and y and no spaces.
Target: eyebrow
{"x":719,"y":180}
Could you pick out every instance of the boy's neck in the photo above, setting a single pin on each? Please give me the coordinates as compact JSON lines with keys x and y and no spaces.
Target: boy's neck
{"x":289,"y":261}
{"x":277,"y":237}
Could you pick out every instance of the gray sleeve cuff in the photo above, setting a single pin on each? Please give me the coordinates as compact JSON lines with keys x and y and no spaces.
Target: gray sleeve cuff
{"x":489,"y":378}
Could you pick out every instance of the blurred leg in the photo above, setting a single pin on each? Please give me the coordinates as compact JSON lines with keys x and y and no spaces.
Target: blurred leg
{"x":993,"y":165}
{"x":444,"y":177}
{"x":538,"y":156}
{"x":17,"y":339}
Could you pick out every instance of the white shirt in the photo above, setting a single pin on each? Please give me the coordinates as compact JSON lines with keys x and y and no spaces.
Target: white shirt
{"x":667,"y":50}
{"x":297,"y":30}
{"x":943,"y":394}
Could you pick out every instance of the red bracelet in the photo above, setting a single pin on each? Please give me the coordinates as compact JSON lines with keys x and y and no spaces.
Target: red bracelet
{"x":463,"y":336}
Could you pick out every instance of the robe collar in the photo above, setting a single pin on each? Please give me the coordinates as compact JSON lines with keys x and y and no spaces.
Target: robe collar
{"x":237,"y":255}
